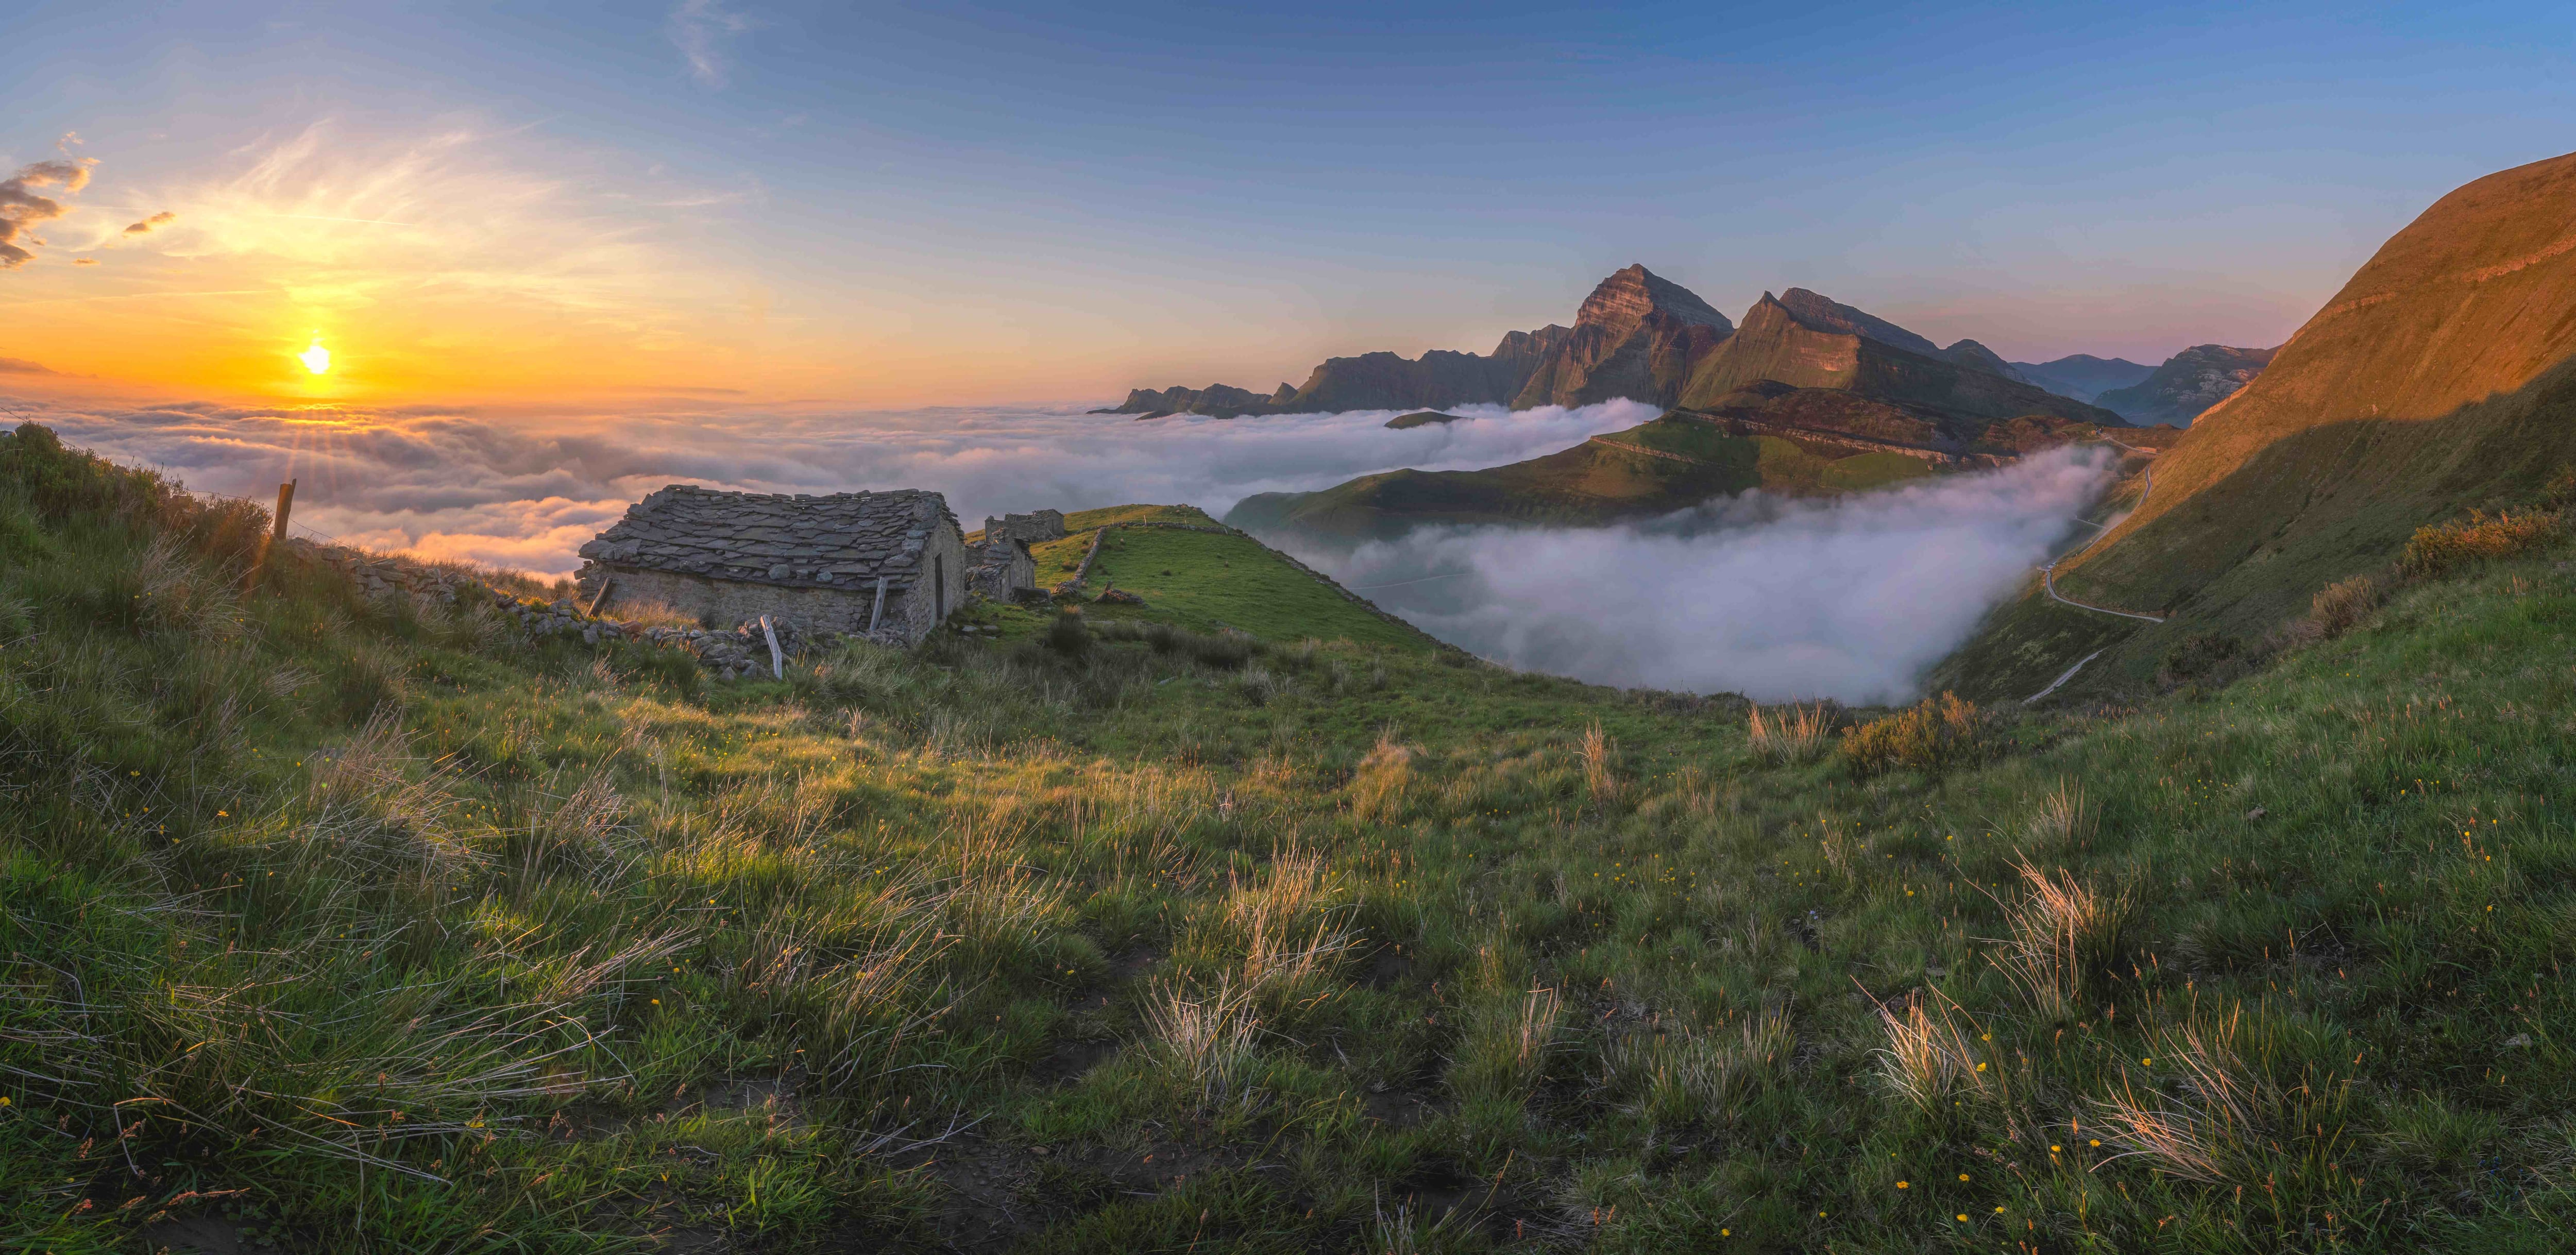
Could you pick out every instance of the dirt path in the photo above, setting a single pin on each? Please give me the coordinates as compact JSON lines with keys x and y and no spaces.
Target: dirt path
{"x":1625,"y":447}
{"x":2048,"y":574}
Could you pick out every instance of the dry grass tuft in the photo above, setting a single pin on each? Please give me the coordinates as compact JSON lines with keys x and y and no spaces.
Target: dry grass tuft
{"x":1378,"y":791}
{"x":1600,"y":765}
{"x":1793,"y":734}
{"x":1291,"y":930}
{"x":1507,"y":1044}
{"x":2065,"y":934}
{"x":1684,"y":1076}
{"x":1931,"y":1054}
{"x":2064,"y":819}
{"x":373,"y":814}
{"x":1206,"y":1039}
{"x":2210,"y":1134}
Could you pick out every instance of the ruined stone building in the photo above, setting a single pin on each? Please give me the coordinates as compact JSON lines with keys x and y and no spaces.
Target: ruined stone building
{"x":1003,"y":567}
{"x":890,"y":564}
{"x":1035,"y":527}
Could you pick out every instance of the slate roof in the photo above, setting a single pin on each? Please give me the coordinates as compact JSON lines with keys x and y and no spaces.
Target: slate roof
{"x":835,"y":540}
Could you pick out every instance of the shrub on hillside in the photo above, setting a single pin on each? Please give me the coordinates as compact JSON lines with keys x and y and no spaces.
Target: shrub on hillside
{"x":1938,"y":733}
{"x":1069,"y":636}
{"x":2340,"y":606}
{"x":2206,"y":658}
{"x":1225,"y":651}
{"x":2444,"y":546}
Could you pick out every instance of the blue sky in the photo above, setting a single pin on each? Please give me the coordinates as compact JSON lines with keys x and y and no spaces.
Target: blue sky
{"x":913,"y":204}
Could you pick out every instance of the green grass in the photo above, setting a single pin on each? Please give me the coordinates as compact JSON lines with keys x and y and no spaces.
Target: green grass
{"x":1208,"y":583}
{"x":418,"y":937}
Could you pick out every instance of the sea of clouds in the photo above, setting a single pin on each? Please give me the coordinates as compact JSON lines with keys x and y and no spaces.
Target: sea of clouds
{"x":525,"y":492}
{"x":1774,"y":598}
{"x":1760,"y":595}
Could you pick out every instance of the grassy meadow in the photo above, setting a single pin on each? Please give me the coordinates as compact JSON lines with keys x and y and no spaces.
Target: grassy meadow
{"x":337,"y":925}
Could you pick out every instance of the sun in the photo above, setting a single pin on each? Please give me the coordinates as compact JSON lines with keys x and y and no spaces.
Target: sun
{"x":316,"y":359}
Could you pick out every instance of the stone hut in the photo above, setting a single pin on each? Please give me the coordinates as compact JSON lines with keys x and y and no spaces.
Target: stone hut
{"x":891,"y":565}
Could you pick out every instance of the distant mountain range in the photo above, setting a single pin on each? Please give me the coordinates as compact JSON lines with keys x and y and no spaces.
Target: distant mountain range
{"x":2084,"y":376}
{"x":1807,"y":397}
{"x":1642,"y":337}
{"x":2187,"y":384}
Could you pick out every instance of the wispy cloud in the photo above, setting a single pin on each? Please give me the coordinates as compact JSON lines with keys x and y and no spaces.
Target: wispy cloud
{"x":146,"y":226}
{"x":700,"y":29}
{"x":22,"y":208}
{"x":346,"y":218}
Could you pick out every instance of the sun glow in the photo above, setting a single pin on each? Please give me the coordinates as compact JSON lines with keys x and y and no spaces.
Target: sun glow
{"x":316,"y":359}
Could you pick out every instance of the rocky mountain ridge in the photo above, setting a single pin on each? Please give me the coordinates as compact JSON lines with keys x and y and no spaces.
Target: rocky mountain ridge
{"x":1639,"y":336}
{"x":2187,"y":384}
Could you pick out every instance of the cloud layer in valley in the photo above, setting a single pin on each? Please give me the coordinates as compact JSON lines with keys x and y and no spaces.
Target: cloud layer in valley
{"x":526,"y":492}
{"x":1775,"y":599}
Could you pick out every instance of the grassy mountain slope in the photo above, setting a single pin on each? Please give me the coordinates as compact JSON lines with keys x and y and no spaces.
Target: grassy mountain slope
{"x":1671,"y":463}
{"x":2439,"y":379}
{"x":370,"y":927}
{"x":1201,"y":581}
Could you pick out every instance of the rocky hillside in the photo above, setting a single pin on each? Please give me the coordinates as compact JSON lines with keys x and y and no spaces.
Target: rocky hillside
{"x":2187,"y":384}
{"x":1809,"y":341}
{"x":2084,"y":376}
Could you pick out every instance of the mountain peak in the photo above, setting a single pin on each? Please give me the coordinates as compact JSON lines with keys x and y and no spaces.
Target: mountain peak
{"x":1624,"y":299}
{"x":1824,"y":313}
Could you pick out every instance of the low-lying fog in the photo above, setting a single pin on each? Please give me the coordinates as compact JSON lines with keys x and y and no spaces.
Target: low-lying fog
{"x":1772,"y":598}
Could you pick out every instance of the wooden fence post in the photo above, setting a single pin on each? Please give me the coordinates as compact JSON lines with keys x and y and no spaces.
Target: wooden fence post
{"x":276,"y":535}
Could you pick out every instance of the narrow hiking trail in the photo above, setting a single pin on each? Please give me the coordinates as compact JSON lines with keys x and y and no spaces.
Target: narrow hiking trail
{"x":2048,"y":574}
{"x":2048,"y":579}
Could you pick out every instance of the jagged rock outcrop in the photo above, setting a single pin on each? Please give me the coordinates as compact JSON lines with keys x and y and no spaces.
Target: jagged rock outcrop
{"x":2084,"y":376}
{"x":1219,"y":400}
{"x":1637,"y":336}
{"x":1809,"y":341}
{"x":2188,"y":383}
{"x":1438,"y":379}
